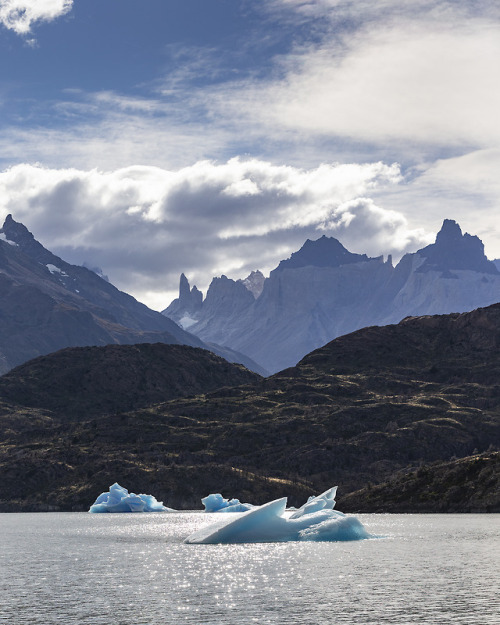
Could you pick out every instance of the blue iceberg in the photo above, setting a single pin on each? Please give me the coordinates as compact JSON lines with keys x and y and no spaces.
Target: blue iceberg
{"x":118,"y":499}
{"x":215,"y":502}
{"x":316,"y":520}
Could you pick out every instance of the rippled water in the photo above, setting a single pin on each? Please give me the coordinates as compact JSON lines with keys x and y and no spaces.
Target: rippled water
{"x":135,"y":570}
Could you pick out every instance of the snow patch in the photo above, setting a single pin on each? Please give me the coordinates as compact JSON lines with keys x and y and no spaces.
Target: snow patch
{"x":186,"y":322}
{"x":3,"y":237}
{"x":53,"y":269}
{"x":254,"y":283}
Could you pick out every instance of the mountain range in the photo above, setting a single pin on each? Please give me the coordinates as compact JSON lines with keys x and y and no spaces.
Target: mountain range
{"x":403,"y":417}
{"x":324,"y":291}
{"x":47,"y":304}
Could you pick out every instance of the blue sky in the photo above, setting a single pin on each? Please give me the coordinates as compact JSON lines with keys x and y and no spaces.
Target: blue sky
{"x":214,"y":136}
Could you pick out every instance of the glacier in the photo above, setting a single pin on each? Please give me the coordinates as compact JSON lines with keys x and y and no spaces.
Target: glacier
{"x":316,"y":520}
{"x":215,"y":502}
{"x":118,"y":499}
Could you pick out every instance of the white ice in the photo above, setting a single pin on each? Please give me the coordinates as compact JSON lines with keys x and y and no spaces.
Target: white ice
{"x":186,"y":322}
{"x":316,"y":520}
{"x":3,"y":237}
{"x":53,"y":269}
{"x":118,"y":499}
{"x":215,"y":502}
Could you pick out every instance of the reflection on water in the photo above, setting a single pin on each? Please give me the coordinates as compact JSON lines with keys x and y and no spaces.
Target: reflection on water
{"x":135,"y":570}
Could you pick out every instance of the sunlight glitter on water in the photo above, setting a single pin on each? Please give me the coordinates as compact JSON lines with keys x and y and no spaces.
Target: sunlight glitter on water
{"x":136,"y":570}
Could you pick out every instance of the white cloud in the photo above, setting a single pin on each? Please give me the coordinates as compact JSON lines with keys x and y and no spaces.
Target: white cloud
{"x":146,"y":225}
{"x":465,"y":188}
{"x":403,"y":83}
{"x":21,"y":15}
{"x":366,"y":228}
{"x":382,"y":81}
{"x":376,"y":81}
{"x":367,"y":10}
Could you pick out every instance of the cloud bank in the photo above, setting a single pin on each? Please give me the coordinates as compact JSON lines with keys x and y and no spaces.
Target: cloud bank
{"x":146,"y":225}
{"x":21,"y":15}
{"x":360,"y":82}
{"x":420,"y":83}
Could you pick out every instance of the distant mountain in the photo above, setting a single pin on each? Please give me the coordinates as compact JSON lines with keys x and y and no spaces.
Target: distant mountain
{"x":324,"y":291}
{"x":324,"y":252}
{"x":454,"y":250}
{"x":47,"y":304}
{"x":386,"y":411}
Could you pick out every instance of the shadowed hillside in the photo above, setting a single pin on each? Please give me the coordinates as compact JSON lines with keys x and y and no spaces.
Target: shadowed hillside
{"x":470,"y":484}
{"x":86,"y":381}
{"x":368,"y":408}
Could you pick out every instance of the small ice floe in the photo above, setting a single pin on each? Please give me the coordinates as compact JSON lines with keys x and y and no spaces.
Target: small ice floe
{"x":118,"y":499}
{"x":316,"y":520}
{"x":215,"y":502}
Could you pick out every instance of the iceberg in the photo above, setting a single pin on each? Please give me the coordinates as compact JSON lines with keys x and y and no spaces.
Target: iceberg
{"x":325,"y":501}
{"x":118,"y":499}
{"x":316,"y":520}
{"x":215,"y":502}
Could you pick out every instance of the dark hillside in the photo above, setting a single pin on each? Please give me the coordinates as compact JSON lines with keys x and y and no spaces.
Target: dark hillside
{"x":439,"y":348}
{"x":86,"y":381}
{"x":470,"y":484}
{"x":381,"y":406}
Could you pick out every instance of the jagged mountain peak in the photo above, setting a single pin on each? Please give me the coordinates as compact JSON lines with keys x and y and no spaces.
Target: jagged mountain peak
{"x":450,"y":231}
{"x":254,"y":283}
{"x":47,"y":304}
{"x":323,"y":252}
{"x":323,"y":291}
{"x":455,"y":251}
{"x":184,"y":288}
{"x":190,"y":298}
{"x":16,"y":231}
{"x":9,"y":222}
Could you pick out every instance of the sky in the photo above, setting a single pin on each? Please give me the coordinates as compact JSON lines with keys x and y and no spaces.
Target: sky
{"x":210,"y":137}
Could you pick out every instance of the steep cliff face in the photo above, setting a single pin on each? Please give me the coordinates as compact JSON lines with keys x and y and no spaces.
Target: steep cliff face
{"x":450,"y":275}
{"x":302,"y":308}
{"x":323,"y":291}
{"x":187,"y":306}
{"x":254,"y":283}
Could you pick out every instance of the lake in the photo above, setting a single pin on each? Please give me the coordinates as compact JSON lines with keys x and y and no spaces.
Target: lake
{"x":134,"y":569}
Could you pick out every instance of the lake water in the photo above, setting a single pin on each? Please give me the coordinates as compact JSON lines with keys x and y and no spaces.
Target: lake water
{"x":135,"y":570}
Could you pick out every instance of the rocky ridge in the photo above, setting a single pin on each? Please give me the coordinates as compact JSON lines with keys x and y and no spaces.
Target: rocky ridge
{"x":324,"y":291}
{"x":47,"y":304}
